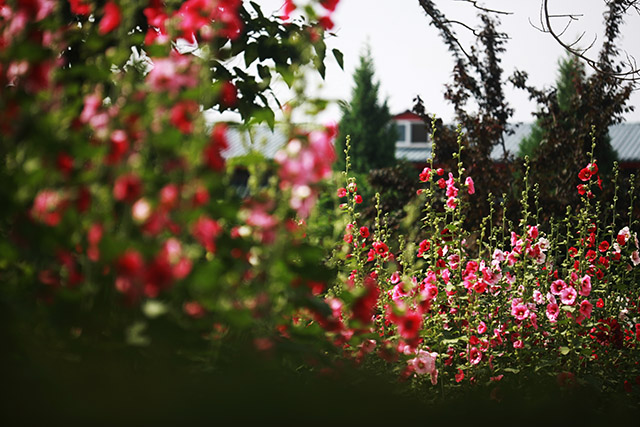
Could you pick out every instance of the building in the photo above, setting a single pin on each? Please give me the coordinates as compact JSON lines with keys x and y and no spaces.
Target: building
{"x":414,"y":143}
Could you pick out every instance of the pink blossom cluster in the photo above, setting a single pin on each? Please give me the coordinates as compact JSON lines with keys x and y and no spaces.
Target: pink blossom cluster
{"x":304,"y":162}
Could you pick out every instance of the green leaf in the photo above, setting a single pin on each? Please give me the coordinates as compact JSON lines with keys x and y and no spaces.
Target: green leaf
{"x":564,"y":350}
{"x":250,"y":53}
{"x":257,"y":8}
{"x":287,"y":75}
{"x":339,"y":57}
{"x":265,"y":115}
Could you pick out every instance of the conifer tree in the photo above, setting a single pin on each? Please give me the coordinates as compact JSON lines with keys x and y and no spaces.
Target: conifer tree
{"x":367,"y":122}
{"x":568,"y":100}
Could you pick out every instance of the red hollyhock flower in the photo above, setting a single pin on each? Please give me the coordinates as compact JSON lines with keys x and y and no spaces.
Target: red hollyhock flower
{"x":130,"y":264}
{"x":218,"y":143}
{"x":409,"y":325}
{"x":79,"y":7}
{"x":364,"y":232}
{"x":357,"y":198}
{"x":111,"y":19}
{"x":425,"y":175}
{"x":182,"y":115}
{"x":119,"y":146}
{"x":330,"y":5}
{"x":205,"y":230}
{"x":584,"y":174}
{"x":364,"y":306}
{"x":228,"y":95}
{"x":326,"y":23}
{"x":64,"y":163}
{"x":603,"y":246}
{"x":127,"y":188}
{"x":169,"y":195}
{"x":380,"y":248}
{"x":289,"y":7}
{"x":200,"y":196}
{"x":83,"y":200}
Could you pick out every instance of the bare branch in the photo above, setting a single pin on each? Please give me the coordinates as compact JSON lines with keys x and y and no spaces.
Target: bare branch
{"x":484,"y":9}
{"x":632,"y":73}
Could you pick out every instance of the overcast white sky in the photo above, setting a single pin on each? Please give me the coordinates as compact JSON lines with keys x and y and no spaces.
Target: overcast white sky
{"x":411,"y":58}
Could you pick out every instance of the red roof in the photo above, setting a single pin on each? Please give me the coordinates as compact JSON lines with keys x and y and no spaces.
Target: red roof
{"x":407,"y":115}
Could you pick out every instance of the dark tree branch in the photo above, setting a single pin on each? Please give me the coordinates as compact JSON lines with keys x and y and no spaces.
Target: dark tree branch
{"x":627,"y":71}
{"x":484,"y":9}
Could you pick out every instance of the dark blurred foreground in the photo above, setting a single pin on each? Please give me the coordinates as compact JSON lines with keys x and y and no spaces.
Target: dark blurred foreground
{"x":49,"y":383}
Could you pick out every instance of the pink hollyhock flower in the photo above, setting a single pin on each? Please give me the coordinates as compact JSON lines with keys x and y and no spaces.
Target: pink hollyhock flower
{"x":585,"y":285}
{"x":451,"y":203}
{"x":568,"y":295}
{"x":446,"y":276}
{"x":342,"y":192}
{"x":47,"y":207}
{"x":585,"y":308}
{"x":623,"y":236}
{"x":194,"y":309}
{"x":171,"y":74}
{"x":470,"y":185}
{"x":534,"y":320}
{"x":452,"y":191}
{"x":552,"y":312}
{"x":537,"y":297}
{"x":557,"y":286}
{"x":482,"y":327}
{"x":111,"y":19}
{"x":520,"y":311}
{"x":475,"y":356}
{"x":635,"y":258}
